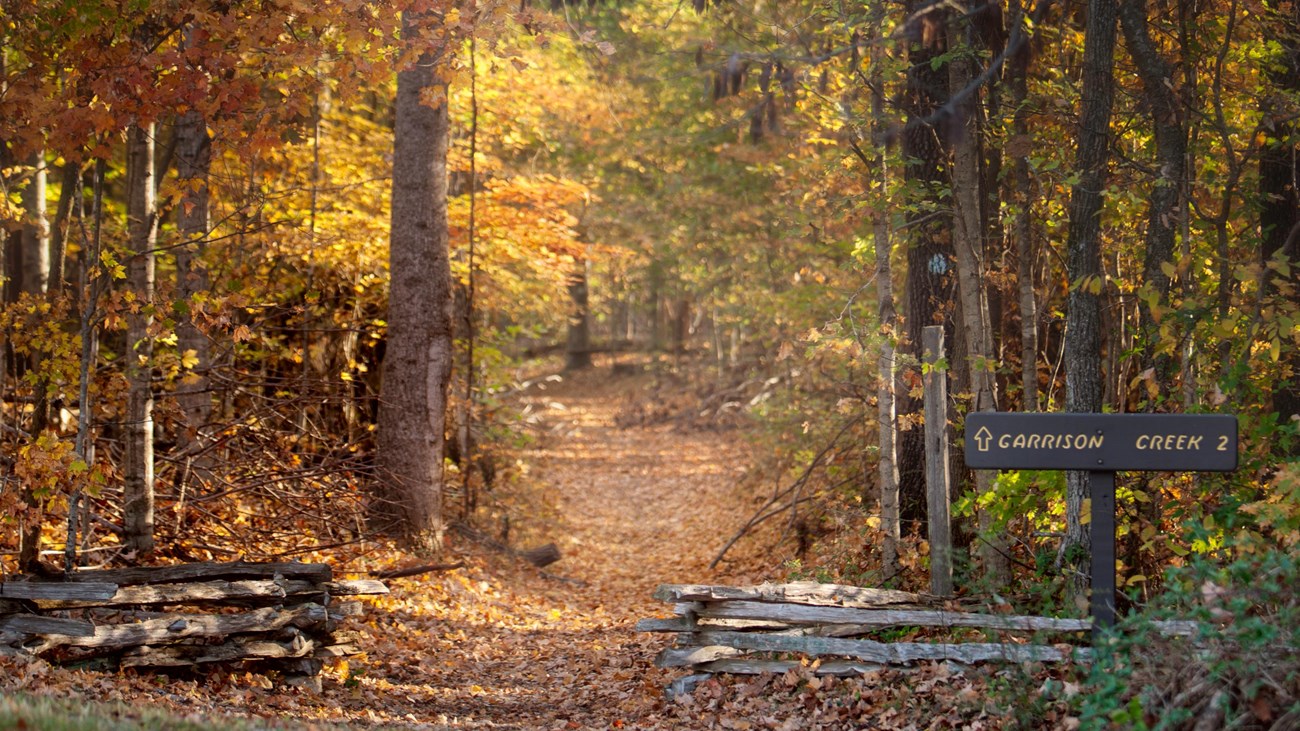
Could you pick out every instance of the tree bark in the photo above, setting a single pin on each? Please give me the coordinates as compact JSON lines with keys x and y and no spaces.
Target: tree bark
{"x":193,"y":164}
{"x":969,"y":246}
{"x":36,"y":229}
{"x":887,"y":371}
{"x":1018,"y":70}
{"x":417,"y":364}
{"x":1166,"y":191}
{"x":928,"y":295}
{"x":577,"y":350}
{"x":1083,"y":388}
{"x":69,"y":191}
{"x":138,"y":472}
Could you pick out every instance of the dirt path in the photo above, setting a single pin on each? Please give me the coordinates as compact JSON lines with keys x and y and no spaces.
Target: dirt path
{"x":634,"y":507}
{"x":641,"y":505}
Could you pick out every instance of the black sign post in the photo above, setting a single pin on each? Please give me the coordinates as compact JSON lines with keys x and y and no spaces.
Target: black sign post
{"x":1102,"y":444}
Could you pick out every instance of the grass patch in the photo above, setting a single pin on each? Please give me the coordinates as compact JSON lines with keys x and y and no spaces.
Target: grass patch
{"x":22,"y":711}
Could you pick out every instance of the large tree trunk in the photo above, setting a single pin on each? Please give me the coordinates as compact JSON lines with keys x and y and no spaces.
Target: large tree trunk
{"x":138,"y":474}
{"x":193,"y":164}
{"x":928,"y":294}
{"x":969,"y":246}
{"x":417,"y":363}
{"x":1083,"y":388}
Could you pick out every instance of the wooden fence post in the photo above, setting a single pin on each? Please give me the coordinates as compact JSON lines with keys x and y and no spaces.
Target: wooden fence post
{"x":936,"y":460}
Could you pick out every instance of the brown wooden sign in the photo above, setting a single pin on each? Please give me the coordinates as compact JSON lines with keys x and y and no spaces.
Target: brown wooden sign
{"x":1101,"y":442}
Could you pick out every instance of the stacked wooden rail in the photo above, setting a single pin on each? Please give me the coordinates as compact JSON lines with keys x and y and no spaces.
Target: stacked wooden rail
{"x":282,"y":615}
{"x":760,"y":629}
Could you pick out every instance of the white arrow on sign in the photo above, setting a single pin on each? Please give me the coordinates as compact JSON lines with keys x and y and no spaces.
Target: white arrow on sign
{"x":982,"y":438}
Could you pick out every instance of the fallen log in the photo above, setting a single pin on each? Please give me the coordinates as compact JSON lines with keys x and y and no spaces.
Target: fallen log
{"x":416,"y":570}
{"x":355,"y":587}
{"x":679,"y":657}
{"x":129,"y":617}
{"x":542,"y":556}
{"x":803,"y":592}
{"x":893,"y":653}
{"x":747,"y":666}
{"x":796,"y":614}
{"x":173,"y":628}
{"x":58,"y":591}
{"x":207,"y":592}
{"x":850,"y":621}
{"x":228,"y":651}
{"x":35,"y":624}
{"x":233,"y":570}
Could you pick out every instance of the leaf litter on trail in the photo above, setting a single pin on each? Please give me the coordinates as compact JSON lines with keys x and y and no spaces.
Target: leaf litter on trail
{"x":499,"y":645}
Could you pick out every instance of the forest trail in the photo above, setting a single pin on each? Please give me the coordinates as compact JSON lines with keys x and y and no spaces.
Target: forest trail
{"x":499,"y":644}
{"x":630,"y":507}
{"x":639,"y":505}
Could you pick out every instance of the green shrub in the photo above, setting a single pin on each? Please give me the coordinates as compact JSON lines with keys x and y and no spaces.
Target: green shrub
{"x":1240,"y":669}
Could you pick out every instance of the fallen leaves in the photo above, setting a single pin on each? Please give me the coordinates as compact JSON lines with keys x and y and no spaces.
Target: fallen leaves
{"x":499,"y":645}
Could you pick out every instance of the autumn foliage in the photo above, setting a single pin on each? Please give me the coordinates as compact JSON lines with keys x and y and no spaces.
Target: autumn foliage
{"x":717,"y":187}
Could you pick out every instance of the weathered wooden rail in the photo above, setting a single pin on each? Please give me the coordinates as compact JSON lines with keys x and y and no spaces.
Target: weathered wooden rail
{"x":757,"y":629}
{"x":282,"y":615}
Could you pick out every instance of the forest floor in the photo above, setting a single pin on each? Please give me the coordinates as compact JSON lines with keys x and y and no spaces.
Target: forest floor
{"x":501,"y":645}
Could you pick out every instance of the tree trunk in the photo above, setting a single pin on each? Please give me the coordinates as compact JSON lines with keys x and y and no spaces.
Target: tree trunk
{"x":1018,"y":69}
{"x":138,"y":475}
{"x":1083,"y":387}
{"x":577,"y":348}
{"x":928,"y":291}
{"x":36,"y":229}
{"x":887,"y":373}
{"x":969,"y":246}
{"x":1171,"y":164}
{"x":193,"y":164}
{"x":69,"y":191}
{"x":417,"y":363}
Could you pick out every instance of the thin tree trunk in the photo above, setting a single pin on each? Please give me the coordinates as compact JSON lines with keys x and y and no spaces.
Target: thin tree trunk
{"x":193,"y":165}
{"x":36,"y":229}
{"x":577,"y":348}
{"x":417,"y":364}
{"x":970,"y":284}
{"x":1083,"y":388}
{"x":887,"y":371}
{"x":88,"y":317}
{"x":70,"y":184}
{"x":138,"y":472}
{"x":1025,"y":252}
{"x":1171,"y":160}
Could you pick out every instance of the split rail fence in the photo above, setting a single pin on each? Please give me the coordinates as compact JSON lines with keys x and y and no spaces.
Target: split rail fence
{"x":773,"y":628}
{"x":282,"y":616}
